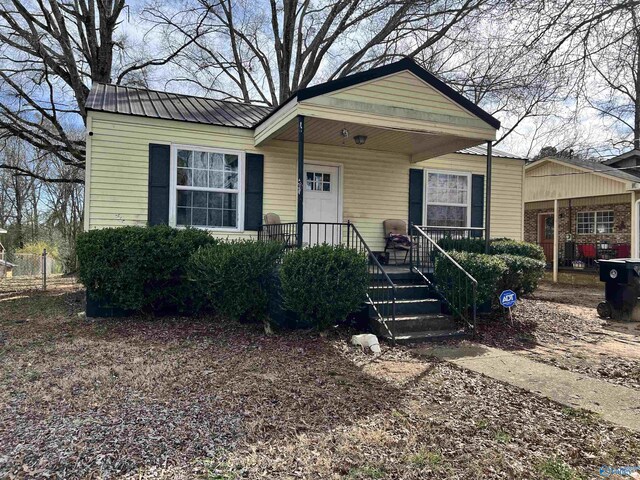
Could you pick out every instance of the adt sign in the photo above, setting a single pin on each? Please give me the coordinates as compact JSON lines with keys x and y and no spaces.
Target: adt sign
{"x":508,"y":298}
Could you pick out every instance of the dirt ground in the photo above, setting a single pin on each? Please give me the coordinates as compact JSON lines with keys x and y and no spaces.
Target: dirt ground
{"x":559,"y":325}
{"x":180,"y":398}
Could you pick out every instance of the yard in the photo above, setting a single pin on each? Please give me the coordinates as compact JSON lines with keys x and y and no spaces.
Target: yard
{"x":184,"y":398}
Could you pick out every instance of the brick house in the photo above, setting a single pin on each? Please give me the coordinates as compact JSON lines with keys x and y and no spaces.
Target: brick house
{"x":581,"y":211}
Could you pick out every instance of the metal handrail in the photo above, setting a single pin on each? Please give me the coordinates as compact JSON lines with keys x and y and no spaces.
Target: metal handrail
{"x":387,"y":279}
{"x":474,"y":282}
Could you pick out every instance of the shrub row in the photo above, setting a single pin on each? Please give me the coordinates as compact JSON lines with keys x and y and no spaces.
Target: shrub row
{"x":160,"y":268}
{"x":494,"y":274}
{"x":135,"y":268}
{"x":496,"y":247}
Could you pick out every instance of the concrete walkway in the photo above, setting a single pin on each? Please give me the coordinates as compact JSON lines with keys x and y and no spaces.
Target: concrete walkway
{"x":616,"y":404}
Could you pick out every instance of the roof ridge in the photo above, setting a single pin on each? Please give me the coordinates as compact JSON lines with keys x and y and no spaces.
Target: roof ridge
{"x":231,"y":102}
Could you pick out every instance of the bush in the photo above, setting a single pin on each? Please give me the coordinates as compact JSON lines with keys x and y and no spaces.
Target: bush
{"x":323,"y":284}
{"x":236,"y":277}
{"x":469,"y":245}
{"x":522,"y":275}
{"x":488,"y":270}
{"x":512,"y":247}
{"x":139,"y":268}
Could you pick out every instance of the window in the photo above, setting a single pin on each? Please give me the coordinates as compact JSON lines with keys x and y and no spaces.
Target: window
{"x":207,"y":188}
{"x":448,"y":198}
{"x":595,"y":222}
{"x":318,"y":182}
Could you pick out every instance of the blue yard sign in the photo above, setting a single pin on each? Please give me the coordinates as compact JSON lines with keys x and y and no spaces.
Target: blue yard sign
{"x":508,"y":298}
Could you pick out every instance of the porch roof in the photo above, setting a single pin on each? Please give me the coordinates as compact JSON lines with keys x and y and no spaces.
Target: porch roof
{"x":399,"y":107}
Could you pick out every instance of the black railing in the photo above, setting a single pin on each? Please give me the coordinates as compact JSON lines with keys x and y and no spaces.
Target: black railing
{"x":460,"y":291}
{"x":453,"y":233}
{"x":381,"y":294}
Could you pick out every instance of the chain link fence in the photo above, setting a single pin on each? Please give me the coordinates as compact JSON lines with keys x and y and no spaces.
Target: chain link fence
{"x":24,"y":271}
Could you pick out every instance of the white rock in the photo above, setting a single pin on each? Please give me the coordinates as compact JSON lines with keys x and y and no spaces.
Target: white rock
{"x":366,"y":340}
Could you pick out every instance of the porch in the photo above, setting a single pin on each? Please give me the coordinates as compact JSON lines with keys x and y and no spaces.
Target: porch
{"x":404,"y":302}
{"x":589,"y":229}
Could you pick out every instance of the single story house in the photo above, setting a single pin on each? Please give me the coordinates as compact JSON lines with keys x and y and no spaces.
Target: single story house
{"x":581,"y":211}
{"x":392,"y":142}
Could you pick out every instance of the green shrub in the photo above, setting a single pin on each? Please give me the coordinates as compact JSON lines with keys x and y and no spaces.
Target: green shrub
{"x":522,"y":275}
{"x":469,"y":245}
{"x":323,"y":284}
{"x":488,"y":270}
{"x":512,"y":247}
{"x":139,"y":268}
{"x":236,"y":277}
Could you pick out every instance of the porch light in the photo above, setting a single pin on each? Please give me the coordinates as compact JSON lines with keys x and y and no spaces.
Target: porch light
{"x":360,"y":139}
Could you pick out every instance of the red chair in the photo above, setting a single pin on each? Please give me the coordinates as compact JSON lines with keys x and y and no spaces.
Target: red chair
{"x":622,"y":250}
{"x":587,"y":251}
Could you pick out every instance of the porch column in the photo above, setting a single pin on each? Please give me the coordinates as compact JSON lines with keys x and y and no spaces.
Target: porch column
{"x":634,"y":225}
{"x":555,"y":241}
{"x":487,"y":203}
{"x":300,"y":179}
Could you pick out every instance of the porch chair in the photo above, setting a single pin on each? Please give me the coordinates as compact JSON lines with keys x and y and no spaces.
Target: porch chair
{"x":396,"y":238}
{"x":587,"y":253}
{"x":275,"y":230}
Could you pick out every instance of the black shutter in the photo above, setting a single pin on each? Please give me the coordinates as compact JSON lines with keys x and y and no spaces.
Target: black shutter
{"x":416,"y":195}
{"x":159,"y":174}
{"x":477,"y":203}
{"x":254,"y":180}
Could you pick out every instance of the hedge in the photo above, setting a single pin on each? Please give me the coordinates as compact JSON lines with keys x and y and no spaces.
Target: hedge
{"x":488,"y":270}
{"x":522,"y":275}
{"x":140,"y":268}
{"x":323,"y":284}
{"x":469,"y":245}
{"x":236,"y":277}
{"x":512,"y":247}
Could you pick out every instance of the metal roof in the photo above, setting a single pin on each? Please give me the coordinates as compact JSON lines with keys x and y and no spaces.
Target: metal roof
{"x":173,"y":106}
{"x":482,"y":150}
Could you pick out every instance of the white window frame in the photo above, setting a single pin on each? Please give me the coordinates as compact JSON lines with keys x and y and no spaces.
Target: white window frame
{"x":174,"y":187}
{"x":595,"y":222}
{"x":425,"y":219}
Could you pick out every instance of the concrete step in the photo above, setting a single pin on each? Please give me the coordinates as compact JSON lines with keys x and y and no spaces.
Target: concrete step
{"x":422,"y":322}
{"x":420,"y":306}
{"x":430,"y":336}
{"x":410,"y":291}
{"x":410,"y":324}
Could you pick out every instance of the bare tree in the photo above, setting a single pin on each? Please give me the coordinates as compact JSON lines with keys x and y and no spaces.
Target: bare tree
{"x":51,"y":51}
{"x":597,"y":45}
{"x":262,"y":52}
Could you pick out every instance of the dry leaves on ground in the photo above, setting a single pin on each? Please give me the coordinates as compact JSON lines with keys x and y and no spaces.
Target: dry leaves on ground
{"x":201,"y":398}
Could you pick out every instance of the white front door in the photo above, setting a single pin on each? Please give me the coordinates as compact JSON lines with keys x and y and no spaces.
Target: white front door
{"x":321,"y":204}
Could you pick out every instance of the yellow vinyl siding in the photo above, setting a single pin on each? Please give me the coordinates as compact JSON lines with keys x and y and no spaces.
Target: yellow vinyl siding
{"x":374,"y":184}
{"x":553,"y":180}
{"x":506,"y":188}
{"x":404,"y":90}
{"x":400,"y":101}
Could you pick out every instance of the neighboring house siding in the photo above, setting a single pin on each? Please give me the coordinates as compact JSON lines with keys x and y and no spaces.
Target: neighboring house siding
{"x":552,"y":180}
{"x":506,"y":188}
{"x":374,"y":184}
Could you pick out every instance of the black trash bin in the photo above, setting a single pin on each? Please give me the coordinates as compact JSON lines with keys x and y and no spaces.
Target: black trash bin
{"x":621,"y":279}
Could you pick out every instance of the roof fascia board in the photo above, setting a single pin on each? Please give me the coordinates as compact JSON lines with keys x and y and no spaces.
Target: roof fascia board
{"x":277,"y":122}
